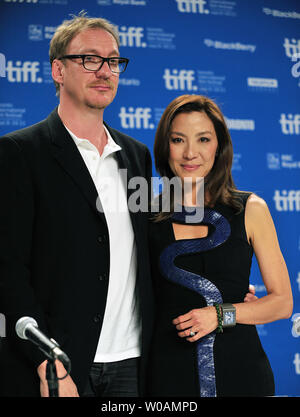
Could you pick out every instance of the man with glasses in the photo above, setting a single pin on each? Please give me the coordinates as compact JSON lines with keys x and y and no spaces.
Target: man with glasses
{"x":71,"y":256}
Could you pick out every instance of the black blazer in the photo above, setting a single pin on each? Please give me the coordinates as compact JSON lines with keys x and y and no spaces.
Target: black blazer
{"x":54,"y":251}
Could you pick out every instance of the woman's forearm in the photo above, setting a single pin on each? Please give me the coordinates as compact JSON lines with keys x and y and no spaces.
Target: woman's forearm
{"x":265,"y":310}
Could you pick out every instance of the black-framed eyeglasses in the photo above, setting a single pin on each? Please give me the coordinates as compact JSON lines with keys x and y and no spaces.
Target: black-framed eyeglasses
{"x":95,"y":62}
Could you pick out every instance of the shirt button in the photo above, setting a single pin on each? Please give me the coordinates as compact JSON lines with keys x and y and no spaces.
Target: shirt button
{"x":102,"y":239}
{"x":103,"y":277}
{"x":97,"y":318}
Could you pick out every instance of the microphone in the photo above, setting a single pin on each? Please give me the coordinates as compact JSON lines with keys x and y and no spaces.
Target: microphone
{"x":27,"y":328}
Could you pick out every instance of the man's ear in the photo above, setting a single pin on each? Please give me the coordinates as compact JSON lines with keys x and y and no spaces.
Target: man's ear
{"x":58,"y":71}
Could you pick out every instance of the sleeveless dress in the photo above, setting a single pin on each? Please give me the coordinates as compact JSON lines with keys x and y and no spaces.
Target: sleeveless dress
{"x":193,"y":273}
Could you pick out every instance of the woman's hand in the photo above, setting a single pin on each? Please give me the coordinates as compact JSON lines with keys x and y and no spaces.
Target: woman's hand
{"x":250,"y":296}
{"x":201,"y":321}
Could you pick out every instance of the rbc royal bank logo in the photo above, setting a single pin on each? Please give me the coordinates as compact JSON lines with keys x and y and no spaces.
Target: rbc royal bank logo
{"x":20,"y":72}
{"x":179,"y":79}
{"x":132,"y":36}
{"x":192,"y":6}
{"x":136,"y":118}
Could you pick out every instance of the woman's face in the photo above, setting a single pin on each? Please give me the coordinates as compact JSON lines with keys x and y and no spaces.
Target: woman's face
{"x":193,"y":144}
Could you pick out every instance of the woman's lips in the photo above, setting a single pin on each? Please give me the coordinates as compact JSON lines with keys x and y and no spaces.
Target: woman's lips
{"x":190,"y":167}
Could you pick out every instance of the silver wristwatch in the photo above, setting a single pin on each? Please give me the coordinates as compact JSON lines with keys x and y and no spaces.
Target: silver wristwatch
{"x":228,"y":315}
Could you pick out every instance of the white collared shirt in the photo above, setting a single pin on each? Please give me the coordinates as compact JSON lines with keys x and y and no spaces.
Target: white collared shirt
{"x":120,"y":333}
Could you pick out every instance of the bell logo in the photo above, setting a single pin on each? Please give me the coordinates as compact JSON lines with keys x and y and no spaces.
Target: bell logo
{"x":23,"y":72}
{"x":179,"y":80}
{"x":136,"y":118}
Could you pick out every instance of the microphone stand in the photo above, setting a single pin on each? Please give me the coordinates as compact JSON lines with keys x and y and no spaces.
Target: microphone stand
{"x":51,"y":374}
{"x":51,"y":377}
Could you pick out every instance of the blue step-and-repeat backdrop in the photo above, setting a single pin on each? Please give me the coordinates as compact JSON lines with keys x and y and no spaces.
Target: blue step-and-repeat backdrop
{"x":244,"y":54}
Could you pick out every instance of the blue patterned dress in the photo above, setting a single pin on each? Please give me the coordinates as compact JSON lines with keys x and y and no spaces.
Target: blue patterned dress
{"x":194,"y":273}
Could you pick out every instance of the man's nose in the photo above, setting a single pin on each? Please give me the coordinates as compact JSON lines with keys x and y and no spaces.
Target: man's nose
{"x":104,"y":71}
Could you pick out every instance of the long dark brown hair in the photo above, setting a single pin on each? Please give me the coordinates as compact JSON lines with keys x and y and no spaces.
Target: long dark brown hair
{"x":219,"y":184}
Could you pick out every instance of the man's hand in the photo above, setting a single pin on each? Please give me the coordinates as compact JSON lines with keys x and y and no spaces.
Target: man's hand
{"x":66,"y":386}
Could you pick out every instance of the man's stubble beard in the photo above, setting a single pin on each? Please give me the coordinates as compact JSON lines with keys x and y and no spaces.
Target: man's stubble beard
{"x":101,"y":106}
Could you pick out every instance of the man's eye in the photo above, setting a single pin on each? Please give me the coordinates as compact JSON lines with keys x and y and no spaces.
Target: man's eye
{"x":92,"y":59}
{"x":114,"y":62}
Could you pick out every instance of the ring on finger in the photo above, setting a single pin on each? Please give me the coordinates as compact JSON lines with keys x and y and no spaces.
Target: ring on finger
{"x":192,"y":334}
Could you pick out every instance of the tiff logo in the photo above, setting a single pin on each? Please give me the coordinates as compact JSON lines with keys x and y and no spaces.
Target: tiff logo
{"x":136,"y":118}
{"x":290,"y":125}
{"x":2,"y":65}
{"x":132,"y":36}
{"x":292,"y":47}
{"x":296,"y":362}
{"x":287,"y":200}
{"x":179,"y":80}
{"x":192,"y":6}
{"x":23,"y":72}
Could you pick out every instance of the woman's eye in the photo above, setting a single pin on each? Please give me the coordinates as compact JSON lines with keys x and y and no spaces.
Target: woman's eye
{"x":204,"y":139}
{"x":176,"y":140}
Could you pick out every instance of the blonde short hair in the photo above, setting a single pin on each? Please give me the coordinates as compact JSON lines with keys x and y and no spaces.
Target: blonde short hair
{"x":70,"y":28}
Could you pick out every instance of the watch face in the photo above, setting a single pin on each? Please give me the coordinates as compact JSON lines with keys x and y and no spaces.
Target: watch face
{"x":229,"y":317}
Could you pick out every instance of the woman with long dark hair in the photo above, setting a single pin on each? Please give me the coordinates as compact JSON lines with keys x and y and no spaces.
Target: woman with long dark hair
{"x":205,"y":341}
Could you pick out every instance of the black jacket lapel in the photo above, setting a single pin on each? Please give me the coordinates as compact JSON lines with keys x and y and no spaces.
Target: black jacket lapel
{"x":66,"y":153}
